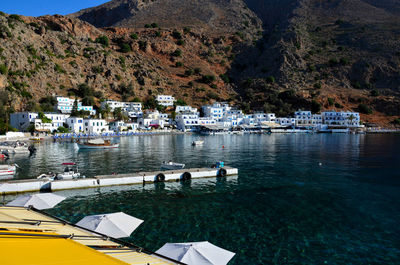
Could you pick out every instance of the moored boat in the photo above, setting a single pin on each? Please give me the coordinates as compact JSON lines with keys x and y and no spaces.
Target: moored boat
{"x":198,"y":142}
{"x":171,"y":165}
{"x":7,"y":171}
{"x":70,"y":172}
{"x":97,"y":144}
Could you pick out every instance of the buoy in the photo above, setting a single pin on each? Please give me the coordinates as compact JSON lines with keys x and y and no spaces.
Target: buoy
{"x":223,"y":146}
{"x":320,"y":164}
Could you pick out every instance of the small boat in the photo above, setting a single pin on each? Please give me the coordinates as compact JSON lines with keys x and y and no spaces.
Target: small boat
{"x":97,"y":144}
{"x":36,"y":139}
{"x":70,"y":172}
{"x":197,"y":142}
{"x":171,"y":165}
{"x":7,"y":171}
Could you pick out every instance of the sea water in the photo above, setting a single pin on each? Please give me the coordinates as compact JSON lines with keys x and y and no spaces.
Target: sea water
{"x":298,"y":198}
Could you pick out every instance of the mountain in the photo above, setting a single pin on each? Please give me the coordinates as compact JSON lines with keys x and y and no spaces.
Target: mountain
{"x":271,"y":55}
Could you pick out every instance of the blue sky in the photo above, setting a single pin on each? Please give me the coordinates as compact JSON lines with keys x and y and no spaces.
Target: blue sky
{"x":46,"y":7}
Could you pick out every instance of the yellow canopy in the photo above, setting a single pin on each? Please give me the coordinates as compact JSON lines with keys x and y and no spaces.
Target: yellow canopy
{"x":36,"y":248}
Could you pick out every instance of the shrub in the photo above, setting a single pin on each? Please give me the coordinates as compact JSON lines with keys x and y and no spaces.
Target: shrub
{"x":317,"y":85}
{"x":180,"y":42}
{"x":176,"y":34}
{"x":364,"y":109}
{"x":178,"y":64}
{"x":333,"y":61}
{"x":270,"y":79}
{"x":315,"y":106}
{"x":186,"y":30}
{"x":147,"y":26}
{"x":97,"y":69}
{"x":103,"y":40}
{"x":356,"y":84}
{"x":338,"y":105}
{"x":3,"y":69}
{"x":177,"y":53}
{"x":142,"y":45}
{"x":344,"y":61}
{"x":118,"y":77}
{"x":374,"y":93}
{"x":212,"y":95}
{"x":208,"y":79}
{"x":58,"y":68}
{"x":312,"y":68}
{"x":396,"y":121}
{"x":16,"y":17}
{"x":189,"y":72}
{"x":158,"y":33}
{"x":197,"y":71}
{"x":125,"y":47}
{"x":331,"y":101}
{"x":154,"y":25}
{"x":34,"y":24}
{"x":224,"y":78}
{"x":134,"y":36}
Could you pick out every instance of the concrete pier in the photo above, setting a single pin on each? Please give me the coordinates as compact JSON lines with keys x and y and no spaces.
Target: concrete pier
{"x":20,"y":186}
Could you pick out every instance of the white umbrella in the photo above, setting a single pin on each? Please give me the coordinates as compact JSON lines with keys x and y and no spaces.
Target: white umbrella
{"x":196,"y":253}
{"x":113,"y":224}
{"x":39,"y":201}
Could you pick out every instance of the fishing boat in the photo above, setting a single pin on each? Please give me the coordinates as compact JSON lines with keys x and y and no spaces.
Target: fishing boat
{"x":36,"y":139}
{"x":7,"y":171}
{"x":197,"y":142}
{"x":171,"y":165}
{"x":97,"y":144}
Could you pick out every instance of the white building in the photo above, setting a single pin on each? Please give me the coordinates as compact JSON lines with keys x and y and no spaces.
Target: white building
{"x":65,"y":105}
{"x":75,"y":124}
{"x":207,"y":121}
{"x":216,"y":111}
{"x":22,"y":120}
{"x":303,"y":118}
{"x":153,"y":118}
{"x":165,"y":100}
{"x":343,"y":118}
{"x":95,"y":126}
{"x":185,"y":109}
{"x":132,"y":109}
{"x":286,"y":122}
{"x":187,"y":121}
{"x":316,"y":119}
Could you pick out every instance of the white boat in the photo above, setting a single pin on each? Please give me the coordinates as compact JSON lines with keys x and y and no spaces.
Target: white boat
{"x":197,"y":142}
{"x":70,"y":172}
{"x":97,"y":144}
{"x":7,"y":171}
{"x":171,"y":165}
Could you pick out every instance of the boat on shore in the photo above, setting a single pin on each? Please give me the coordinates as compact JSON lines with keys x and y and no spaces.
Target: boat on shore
{"x":97,"y":144}
{"x":171,"y":165}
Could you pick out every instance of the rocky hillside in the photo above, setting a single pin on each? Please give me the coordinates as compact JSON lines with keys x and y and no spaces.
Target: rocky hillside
{"x":271,"y":55}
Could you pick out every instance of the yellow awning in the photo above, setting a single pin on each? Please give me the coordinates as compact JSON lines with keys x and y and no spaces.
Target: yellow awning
{"x":37,"y":248}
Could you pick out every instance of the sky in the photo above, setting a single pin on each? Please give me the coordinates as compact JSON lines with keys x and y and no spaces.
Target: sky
{"x":46,"y":7}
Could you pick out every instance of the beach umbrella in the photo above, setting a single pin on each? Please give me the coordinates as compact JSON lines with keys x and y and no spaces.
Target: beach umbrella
{"x":113,"y":224}
{"x":39,"y":201}
{"x":196,"y":253}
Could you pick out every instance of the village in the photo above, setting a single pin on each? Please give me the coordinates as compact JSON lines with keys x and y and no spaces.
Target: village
{"x":216,"y":118}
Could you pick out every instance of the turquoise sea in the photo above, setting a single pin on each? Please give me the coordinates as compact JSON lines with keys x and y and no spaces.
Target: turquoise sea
{"x":298,"y":198}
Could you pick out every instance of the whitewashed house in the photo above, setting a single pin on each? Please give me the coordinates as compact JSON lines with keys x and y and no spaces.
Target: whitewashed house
{"x":165,"y":100}
{"x":65,"y":105}
{"x":22,"y":120}
{"x":132,"y":109}
{"x":179,"y":109}
{"x":216,"y":111}
{"x":348,"y":119}
{"x":187,"y":121}
{"x":75,"y":124}
{"x":95,"y":126}
{"x":303,"y":118}
{"x":286,"y":122}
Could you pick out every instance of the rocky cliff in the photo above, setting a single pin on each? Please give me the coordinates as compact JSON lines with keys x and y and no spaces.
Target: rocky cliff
{"x":275,"y":55}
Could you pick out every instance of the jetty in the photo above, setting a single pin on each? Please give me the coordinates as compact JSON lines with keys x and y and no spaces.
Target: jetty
{"x":32,"y":185}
